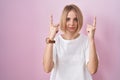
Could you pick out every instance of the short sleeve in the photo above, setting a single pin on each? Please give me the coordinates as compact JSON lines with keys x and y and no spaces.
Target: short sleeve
{"x":55,"y":51}
{"x":54,"y":54}
{"x":53,"y":72}
{"x":87,"y":52}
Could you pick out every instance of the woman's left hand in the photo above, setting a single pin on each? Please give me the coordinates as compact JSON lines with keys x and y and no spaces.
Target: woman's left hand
{"x":91,"y":29}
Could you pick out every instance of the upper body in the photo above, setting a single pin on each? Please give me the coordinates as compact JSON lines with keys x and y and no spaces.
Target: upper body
{"x":73,"y":56}
{"x":70,"y":58}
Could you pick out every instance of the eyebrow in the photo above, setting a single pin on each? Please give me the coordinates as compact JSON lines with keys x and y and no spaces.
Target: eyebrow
{"x":68,"y":18}
{"x":75,"y":18}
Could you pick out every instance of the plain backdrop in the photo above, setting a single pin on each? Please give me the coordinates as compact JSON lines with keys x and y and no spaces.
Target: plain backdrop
{"x":24,"y":25}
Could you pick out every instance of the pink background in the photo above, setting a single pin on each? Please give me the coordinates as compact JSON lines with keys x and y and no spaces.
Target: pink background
{"x":24,"y":25}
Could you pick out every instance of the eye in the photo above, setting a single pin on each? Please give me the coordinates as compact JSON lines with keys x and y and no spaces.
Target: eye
{"x":67,"y":19}
{"x":75,"y":19}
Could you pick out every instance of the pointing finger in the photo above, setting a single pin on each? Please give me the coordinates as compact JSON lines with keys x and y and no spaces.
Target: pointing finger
{"x":51,"y":19}
{"x":94,"y":22}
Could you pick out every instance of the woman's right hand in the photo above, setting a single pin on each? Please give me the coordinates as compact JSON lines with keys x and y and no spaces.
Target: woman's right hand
{"x":53,"y":29}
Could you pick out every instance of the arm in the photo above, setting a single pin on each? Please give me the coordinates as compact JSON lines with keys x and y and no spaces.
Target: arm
{"x":93,"y":59}
{"x":48,"y":58}
{"x":48,"y":54}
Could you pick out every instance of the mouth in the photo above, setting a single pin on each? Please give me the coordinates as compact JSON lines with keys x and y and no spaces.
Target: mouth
{"x":71,"y":28}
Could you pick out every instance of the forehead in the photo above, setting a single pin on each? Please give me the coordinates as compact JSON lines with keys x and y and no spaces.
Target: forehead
{"x":72,"y":14}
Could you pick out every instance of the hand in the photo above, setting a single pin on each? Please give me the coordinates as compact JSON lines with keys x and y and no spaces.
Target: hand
{"x":53,"y":28}
{"x":91,"y":29}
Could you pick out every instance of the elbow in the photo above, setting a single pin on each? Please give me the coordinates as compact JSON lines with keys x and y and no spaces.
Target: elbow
{"x":92,"y":69}
{"x":47,"y":70}
{"x":93,"y":72}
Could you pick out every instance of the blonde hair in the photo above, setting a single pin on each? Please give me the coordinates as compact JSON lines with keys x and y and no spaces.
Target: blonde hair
{"x":65,"y":12}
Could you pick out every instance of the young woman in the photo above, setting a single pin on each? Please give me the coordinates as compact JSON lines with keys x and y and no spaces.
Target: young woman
{"x":70,"y":55}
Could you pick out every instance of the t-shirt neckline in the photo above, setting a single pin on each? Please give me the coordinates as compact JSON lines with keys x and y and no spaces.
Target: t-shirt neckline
{"x":66,"y":40}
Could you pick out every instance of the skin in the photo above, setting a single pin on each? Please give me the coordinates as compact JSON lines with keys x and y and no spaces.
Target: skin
{"x":71,"y":27}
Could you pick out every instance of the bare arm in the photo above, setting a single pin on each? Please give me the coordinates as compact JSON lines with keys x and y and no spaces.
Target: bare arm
{"x":48,"y":58}
{"x":48,"y":54}
{"x":93,"y":59}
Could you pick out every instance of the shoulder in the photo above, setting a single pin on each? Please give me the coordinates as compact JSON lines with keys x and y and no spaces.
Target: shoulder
{"x":84,"y":37}
{"x":57,"y":37}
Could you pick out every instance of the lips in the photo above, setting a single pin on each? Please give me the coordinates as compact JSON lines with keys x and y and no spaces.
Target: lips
{"x":71,"y":27}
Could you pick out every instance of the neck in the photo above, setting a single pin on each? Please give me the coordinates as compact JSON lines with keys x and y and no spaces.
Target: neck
{"x":70,"y":36}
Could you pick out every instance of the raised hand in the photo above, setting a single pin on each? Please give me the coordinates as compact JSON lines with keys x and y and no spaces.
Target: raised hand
{"x":53,"y":28}
{"x":91,"y":29}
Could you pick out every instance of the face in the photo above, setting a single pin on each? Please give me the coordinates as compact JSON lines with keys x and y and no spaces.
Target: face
{"x":71,"y":22}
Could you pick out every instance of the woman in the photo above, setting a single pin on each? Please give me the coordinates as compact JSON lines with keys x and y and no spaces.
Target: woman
{"x":70,"y":55}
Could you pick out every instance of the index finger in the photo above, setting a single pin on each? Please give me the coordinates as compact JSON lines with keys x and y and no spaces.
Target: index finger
{"x":51,"y":19}
{"x":94,"y":22}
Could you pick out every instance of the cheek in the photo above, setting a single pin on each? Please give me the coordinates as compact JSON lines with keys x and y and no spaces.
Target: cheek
{"x":76,"y":24}
{"x":67,"y":23}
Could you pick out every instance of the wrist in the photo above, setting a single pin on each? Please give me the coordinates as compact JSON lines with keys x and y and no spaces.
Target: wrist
{"x":49,"y":40}
{"x":51,"y":37}
{"x":91,"y":38}
{"x":91,"y":41}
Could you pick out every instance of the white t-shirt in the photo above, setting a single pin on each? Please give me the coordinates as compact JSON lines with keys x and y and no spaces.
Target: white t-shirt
{"x":70,"y":58}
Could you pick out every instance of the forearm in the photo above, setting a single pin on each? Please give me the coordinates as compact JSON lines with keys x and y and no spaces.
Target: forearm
{"x":48,"y":58}
{"x":48,"y":55}
{"x":93,"y":59}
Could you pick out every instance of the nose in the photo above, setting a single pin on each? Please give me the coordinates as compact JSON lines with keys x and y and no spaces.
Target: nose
{"x":71,"y":22}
